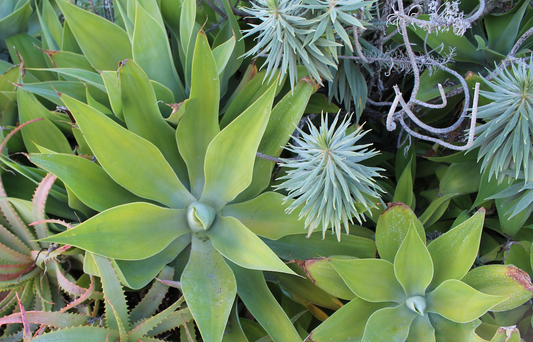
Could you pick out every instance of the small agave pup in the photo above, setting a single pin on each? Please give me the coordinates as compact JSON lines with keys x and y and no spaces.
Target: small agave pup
{"x":149,"y":215}
{"x":327,"y":176}
{"x":415,"y":292}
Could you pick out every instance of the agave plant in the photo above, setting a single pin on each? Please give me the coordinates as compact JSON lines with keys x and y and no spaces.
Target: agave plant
{"x":160,"y":189}
{"x":415,"y":292}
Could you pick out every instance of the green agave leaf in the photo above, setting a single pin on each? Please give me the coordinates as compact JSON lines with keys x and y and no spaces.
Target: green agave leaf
{"x":16,"y":22}
{"x":199,"y":124}
{"x":413,"y":266}
{"x":370,"y":279}
{"x":69,"y":42}
{"x":488,"y":188}
{"x":501,"y":280}
{"x":255,"y":294}
{"x":146,"y":229}
{"x":48,"y":40}
{"x":235,"y":145}
{"x":238,"y":244}
{"x":436,"y":209}
{"x":104,"y":192}
{"x":507,"y":25}
{"x":462,"y":178}
{"x":392,"y":227}
{"x":421,"y":330}
{"x":459,"y":302}
{"x":209,"y":288}
{"x":265,"y":216}
{"x":151,"y":50}
{"x":234,"y":332}
{"x":112,"y":86}
{"x":113,"y":294}
{"x":404,"y":189}
{"x":43,"y":132}
{"x":102,"y":42}
{"x":51,"y":20}
{"x":50,"y":90}
{"x":188,"y":30}
{"x":26,"y":47}
{"x":119,"y":151}
{"x":143,"y":117}
{"x":454,"y":252}
{"x":322,"y":274}
{"x":223,"y":52}
{"x":88,"y":77}
{"x":139,"y":273}
{"x":300,"y":247}
{"x":389,"y":324}
{"x":78,"y":334}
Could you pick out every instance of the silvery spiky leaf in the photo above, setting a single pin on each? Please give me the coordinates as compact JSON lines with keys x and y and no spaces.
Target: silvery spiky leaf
{"x":302,"y":32}
{"x":327,"y":178}
{"x":505,"y":139}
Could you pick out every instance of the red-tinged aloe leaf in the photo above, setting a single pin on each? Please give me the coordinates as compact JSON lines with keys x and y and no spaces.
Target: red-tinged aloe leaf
{"x":347,"y":323}
{"x":199,"y":124}
{"x":121,"y":329}
{"x":54,"y":319}
{"x":143,"y":117}
{"x":120,"y":151}
{"x":171,"y":283}
{"x":254,"y":292}
{"x":150,"y":323}
{"x":176,"y":319}
{"x":389,"y":324}
{"x":151,"y":301}
{"x":235,"y":145}
{"x":238,"y":244}
{"x":209,"y":288}
{"x":38,"y":203}
{"x":67,"y":285}
{"x":14,"y":131}
{"x":26,"y":331}
{"x":83,"y":297}
{"x":11,"y":256}
{"x":102,"y":42}
{"x":114,"y":295}
{"x":13,"y":271}
{"x":454,"y":252}
{"x":147,"y":228}
{"x":12,"y":242}
{"x":265,"y":216}
{"x":7,"y":303}
{"x":79,"y":334}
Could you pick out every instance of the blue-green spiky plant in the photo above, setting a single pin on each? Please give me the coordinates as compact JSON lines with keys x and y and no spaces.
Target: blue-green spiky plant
{"x":505,"y":139}
{"x":327,"y":177}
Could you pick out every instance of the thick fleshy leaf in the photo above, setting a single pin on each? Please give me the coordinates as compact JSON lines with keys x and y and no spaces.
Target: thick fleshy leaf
{"x":448,"y":331}
{"x":238,"y":244}
{"x":421,"y":330}
{"x":151,"y":301}
{"x":404,"y":189}
{"x":459,"y":302}
{"x":254,"y":292}
{"x":461,"y":178}
{"x":347,"y":323}
{"x":389,"y":324}
{"x":102,"y":42}
{"x":132,"y":231}
{"x":392,"y":228}
{"x":143,"y":117}
{"x":502,"y":280}
{"x":119,"y":152}
{"x":454,"y":252}
{"x":413,"y":266}
{"x":104,"y":192}
{"x":151,"y":322}
{"x":265,"y":216}
{"x":323,"y":275}
{"x":15,"y":22}
{"x":199,"y":124}
{"x":370,"y":279}
{"x":236,"y":145}
{"x":209,"y":288}
{"x":110,"y":79}
{"x":78,"y":334}
{"x":151,"y":50}
{"x":223,"y":52}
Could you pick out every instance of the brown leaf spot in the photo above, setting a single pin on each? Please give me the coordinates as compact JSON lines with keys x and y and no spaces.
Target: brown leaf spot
{"x":520,"y":277}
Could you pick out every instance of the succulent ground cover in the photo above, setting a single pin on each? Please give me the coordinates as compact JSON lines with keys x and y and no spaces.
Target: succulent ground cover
{"x":281,"y":170}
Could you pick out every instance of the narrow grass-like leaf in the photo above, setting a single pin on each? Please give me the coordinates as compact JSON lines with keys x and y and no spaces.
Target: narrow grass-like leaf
{"x":147,"y":229}
{"x":238,"y":244}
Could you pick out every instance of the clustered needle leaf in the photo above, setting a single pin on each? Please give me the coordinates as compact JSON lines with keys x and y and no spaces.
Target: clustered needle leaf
{"x":327,"y":177}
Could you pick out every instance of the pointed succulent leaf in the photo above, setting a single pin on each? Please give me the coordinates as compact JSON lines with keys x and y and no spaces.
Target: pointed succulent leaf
{"x":223,"y":52}
{"x":38,"y":204}
{"x":151,"y":51}
{"x":104,"y":192}
{"x":235,"y":145}
{"x":265,"y":216}
{"x":389,"y":324}
{"x":238,"y":244}
{"x":79,"y":334}
{"x":421,"y":330}
{"x":502,"y":280}
{"x":199,"y":124}
{"x":102,"y":42}
{"x":119,"y":151}
{"x":54,"y":319}
{"x":143,"y":117}
{"x":347,"y":323}
{"x":459,"y":302}
{"x":392,"y":228}
{"x":110,"y":79}
{"x":142,"y":329}
{"x":413,"y":266}
{"x":258,"y":298}
{"x":146,"y":229}
{"x":322,"y":274}
{"x":370,"y":279}
{"x":209,"y":288}
{"x":151,"y":301}
{"x":454,"y":252}
{"x":176,"y":319}
{"x":404,"y":189}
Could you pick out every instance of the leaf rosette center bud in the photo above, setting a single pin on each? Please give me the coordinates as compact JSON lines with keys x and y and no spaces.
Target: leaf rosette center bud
{"x":416,"y":304}
{"x":200,"y":216}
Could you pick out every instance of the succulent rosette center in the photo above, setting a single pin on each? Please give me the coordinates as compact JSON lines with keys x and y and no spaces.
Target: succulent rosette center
{"x":200,"y":216}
